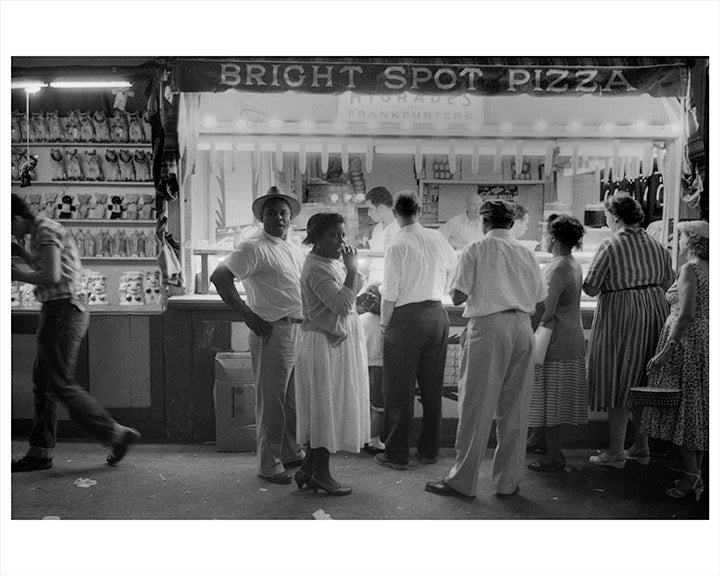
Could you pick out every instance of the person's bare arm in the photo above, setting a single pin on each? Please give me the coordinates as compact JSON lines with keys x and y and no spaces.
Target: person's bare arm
{"x":48,"y":272}
{"x":223,"y":279}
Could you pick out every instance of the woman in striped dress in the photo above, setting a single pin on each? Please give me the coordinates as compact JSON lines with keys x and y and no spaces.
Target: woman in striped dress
{"x":631,"y":272}
{"x":560,"y":390}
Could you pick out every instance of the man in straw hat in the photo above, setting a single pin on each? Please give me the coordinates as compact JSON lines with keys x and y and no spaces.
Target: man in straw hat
{"x":501,"y":284}
{"x":269,"y":267}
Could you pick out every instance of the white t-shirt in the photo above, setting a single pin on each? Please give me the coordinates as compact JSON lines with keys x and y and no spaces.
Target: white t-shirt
{"x":461,"y":231}
{"x":270,"y":269}
{"x":380,"y":239}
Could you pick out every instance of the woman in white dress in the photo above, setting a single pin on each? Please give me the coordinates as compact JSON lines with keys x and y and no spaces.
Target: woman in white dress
{"x":331,"y":375}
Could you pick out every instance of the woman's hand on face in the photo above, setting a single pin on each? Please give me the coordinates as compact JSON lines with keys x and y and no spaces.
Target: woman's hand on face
{"x":349,"y":255}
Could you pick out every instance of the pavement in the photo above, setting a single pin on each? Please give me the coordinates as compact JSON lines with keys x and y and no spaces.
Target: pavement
{"x":169,"y":481}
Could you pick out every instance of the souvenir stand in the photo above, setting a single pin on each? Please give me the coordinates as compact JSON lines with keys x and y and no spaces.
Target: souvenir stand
{"x":82,"y":154}
{"x":552,"y":134}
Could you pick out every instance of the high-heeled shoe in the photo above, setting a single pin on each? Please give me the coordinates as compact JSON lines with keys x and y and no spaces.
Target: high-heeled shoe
{"x":316,"y":485}
{"x":697,"y":487}
{"x":641,"y":456}
{"x":302,"y":478}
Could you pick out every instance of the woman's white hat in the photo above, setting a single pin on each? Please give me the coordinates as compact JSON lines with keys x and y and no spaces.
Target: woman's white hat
{"x":696,"y":227}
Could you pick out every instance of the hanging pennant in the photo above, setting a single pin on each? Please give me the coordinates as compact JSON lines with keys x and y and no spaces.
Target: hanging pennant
{"x":418,"y":159}
{"x":518,"y":161}
{"x":256,"y":156}
{"x":279,"y":157}
{"x":575,"y":158}
{"x":344,"y":157}
{"x":369,"y":153}
{"x":616,"y":159}
{"x":647,"y":163}
{"x":596,"y":175}
{"x":606,"y":171}
{"x":212,"y":157}
{"x":475,"y":159}
{"x":303,"y":158}
{"x":548,"y":159}
{"x":497,"y":159}
{"x":233,"y":155}
{"x":452,"y":159}
{"x":661,"y":160}
{"x":621,"y":170}
{"x":324,"y":159}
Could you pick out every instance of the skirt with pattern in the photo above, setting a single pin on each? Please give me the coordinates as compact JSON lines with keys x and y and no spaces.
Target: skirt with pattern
{"x":559,"y":394}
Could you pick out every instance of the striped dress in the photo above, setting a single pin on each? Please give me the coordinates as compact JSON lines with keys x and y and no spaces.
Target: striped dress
{"x":560,"y":388}
{"x":628,"y":269}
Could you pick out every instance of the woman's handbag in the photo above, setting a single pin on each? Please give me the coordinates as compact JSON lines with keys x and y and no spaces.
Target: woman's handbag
{"x":542,"y":341}
{"x":658,"y":397}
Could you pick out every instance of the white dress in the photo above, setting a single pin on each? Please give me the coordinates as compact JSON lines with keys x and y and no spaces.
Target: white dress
{"x":331,"y":370}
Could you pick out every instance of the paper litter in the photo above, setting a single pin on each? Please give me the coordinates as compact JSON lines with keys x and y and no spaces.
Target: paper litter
{"x":84,"y":482}
{"x":320,"y":514}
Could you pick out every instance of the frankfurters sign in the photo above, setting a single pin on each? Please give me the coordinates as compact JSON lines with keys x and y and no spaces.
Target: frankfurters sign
{"x":336,"y":77}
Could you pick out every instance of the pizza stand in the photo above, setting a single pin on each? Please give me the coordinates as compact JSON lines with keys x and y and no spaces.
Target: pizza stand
{"x":551,"y":134}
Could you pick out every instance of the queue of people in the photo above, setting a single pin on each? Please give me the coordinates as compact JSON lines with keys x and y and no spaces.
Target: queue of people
{"x":318,"y":392}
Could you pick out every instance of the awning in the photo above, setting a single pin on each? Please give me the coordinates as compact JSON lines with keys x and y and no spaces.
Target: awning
{"x":658,"y":77}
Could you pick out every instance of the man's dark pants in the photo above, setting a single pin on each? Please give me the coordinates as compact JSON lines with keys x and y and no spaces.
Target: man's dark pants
{"x":61,"y":331}
{"x":414,"y":349}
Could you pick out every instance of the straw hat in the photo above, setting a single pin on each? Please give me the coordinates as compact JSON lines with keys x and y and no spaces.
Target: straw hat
{"x":272,"y":193}
{"x":696,"y":227}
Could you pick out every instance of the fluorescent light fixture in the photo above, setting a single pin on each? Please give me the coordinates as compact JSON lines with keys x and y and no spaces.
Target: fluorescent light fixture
{"x":275,"y":123}
{"x":607,"y":127}
{"x":639,"y":126}
{"x":506,"y":127}
{"x":440,"y":125}
{"x":33,"y":89}
{"x":97,"y":84}
{"x":474,"y":127}
{"x":540,"y":126}
{"x":242,"y":124}
{"x":373,"y":125}
{"x":340,"y":125}
{"x":406,"y":125}
{"x":573,"y":127}
{"x":307,"y":125}
{"x":672,"y":128}
{"x":210,"y":121}
{"x":26,"y":85}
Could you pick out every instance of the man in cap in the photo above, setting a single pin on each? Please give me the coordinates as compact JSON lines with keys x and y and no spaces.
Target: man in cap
{"x":500,"y":283}
{"x":269,"y":267}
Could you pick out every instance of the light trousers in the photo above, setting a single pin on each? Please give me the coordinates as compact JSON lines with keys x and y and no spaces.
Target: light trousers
{"x":273,"y":363}
{"x":496,"y":379}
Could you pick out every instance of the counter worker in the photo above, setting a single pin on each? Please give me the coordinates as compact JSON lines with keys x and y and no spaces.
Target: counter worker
{"x":520,"y":226}
{"x":467,"y":227}
{"x":53,"y":265}
{"x":269,"y":267}
{"x":381,"y":212}
{"x":501,"y":284}
{"x":415,"y":326}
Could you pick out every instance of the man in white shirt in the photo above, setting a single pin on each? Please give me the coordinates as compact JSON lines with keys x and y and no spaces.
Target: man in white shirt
{"x":500,"y":283}
{"x":415,"y":327}
{"x":465,"y":228}
{"x":269,"y":267}
{"x":380,"y":211}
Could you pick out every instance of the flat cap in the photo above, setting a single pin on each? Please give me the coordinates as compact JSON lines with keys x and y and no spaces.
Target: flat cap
{"x":498,"y":209}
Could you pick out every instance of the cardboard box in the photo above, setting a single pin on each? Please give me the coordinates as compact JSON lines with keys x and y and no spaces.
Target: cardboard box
{"x":234,"y":396}
{"x":234,"y":367}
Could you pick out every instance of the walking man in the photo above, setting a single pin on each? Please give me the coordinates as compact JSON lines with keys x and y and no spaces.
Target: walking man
{"x":415,"y":327}
{"x":500,"y":282}
{"x":269,"y":267}
{"x":53,"y":265}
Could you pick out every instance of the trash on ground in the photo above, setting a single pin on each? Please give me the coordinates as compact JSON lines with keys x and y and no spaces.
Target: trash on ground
{"x":51,"y":517}
{"x":162,"y":477}
{"x":84,"y":482}
{"x":320,"y":514}
{"x":555,"y":498}
{"x":398,"y":482}
{"x":598,"y":489}
{"x":263,"y":489}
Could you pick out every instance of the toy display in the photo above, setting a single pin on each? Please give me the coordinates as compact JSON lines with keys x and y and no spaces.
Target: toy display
{"x":524,"y":173}
{"x":15,"y":299}
{"x":152,"y":287}
{"x":81,"y":126}
{"x":58,"y":161}
{"x":115,"y":208}
{"x":92,"y":166}
{"x":66,"y":207}
{"x":127,"y":166}
{"x":73,"y":168}
{"x":15,"y":167}
{"x":112,"y":168}
{"x":142,"y":165}
{"x":131,"y":289}
{"x":95,"y":286}
{"x":131,"y":207}
{"x":27,"y":169}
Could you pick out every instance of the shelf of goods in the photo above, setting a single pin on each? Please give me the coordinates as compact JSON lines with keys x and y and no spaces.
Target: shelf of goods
{"x":98,"y":190}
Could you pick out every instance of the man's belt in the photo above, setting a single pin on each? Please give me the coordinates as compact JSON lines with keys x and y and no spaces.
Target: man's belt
{"x":290,"y":320}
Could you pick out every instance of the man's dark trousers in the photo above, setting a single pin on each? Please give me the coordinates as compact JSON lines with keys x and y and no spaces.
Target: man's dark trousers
{"x":414,"y":349}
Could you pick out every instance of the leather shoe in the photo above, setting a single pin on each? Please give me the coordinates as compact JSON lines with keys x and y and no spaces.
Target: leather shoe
{"x":509,"y":495}
{"x":120,"y":448}
{"x":444,"y":489}
{"x":382,"y":459}
{"x":29,"y":463}
{"x":279,"y":478}
{"x":293,"y":464}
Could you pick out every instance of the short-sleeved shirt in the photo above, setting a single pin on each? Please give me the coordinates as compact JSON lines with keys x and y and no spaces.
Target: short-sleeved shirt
{"x":461,"y":231}
{"x":631,"y":258}
{"x":380,"y":239}
{"x":416,"y":266}
{"x":498,"y":274}
{"x":46,"y":232}
{"x":270,"y":269}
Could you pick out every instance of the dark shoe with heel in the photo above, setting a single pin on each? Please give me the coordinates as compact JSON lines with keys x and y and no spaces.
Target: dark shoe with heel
{"x":279,"y":478}
{"x":444,"y":489}
{"x":30,"y":463}
{"x":302,"y":478}
{"x":382,"y":459}
{"x":316,"y":485}
{"x":120,"y":448}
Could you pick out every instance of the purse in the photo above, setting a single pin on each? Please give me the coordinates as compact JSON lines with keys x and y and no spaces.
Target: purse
{"x":542,"y":341}
{"x":658,"y":397}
